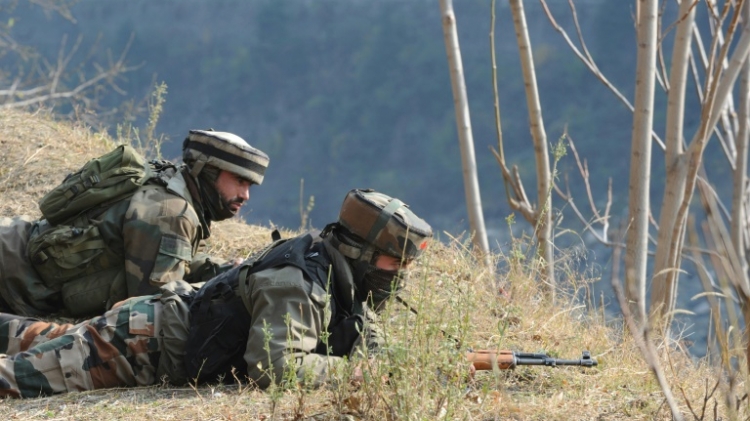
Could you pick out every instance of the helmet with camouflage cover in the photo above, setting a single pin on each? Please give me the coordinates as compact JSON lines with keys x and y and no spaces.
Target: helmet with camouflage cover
{"x":383,"y":224}
{"x":225,"y":151}
{"x":372,"y":224}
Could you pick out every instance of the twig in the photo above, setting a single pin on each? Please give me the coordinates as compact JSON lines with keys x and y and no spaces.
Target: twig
{"x":640,"y":336}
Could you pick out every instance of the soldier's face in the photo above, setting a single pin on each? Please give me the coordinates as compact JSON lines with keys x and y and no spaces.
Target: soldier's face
{"x":234,"y":190}
{"x":390,"y":263}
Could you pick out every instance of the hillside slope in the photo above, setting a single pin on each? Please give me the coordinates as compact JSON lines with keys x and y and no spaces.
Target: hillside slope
{"x":422,"y":373}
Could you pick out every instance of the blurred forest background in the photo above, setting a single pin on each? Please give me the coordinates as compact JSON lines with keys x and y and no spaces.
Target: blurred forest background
{"x":355,"y":93}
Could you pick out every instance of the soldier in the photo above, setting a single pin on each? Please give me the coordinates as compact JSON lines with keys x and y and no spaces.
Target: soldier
{"x":296,"y":308}
{"x":133,"y":245}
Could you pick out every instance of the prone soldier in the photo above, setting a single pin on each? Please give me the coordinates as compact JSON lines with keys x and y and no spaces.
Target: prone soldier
{"x":134,"y":243}
{"x":303,"y":302}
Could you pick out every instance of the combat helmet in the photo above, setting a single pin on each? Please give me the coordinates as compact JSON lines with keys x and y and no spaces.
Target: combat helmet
{"x":225,"y":151}
{"x":381,"y":224}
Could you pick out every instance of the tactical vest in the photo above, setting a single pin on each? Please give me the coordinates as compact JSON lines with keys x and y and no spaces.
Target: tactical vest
{"x":220,"y":321}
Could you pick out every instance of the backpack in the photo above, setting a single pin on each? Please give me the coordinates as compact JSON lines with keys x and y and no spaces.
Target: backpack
{"x":67,"y":249}
{"x":106,"y":179}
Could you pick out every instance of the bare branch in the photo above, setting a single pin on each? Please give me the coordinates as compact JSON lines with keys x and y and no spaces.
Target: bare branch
{"x":588,"y":61}
{"x":641,"y":338}
{"x":50,"y":91}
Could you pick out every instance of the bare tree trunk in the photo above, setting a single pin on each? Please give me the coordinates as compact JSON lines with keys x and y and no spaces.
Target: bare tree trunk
{"x":686,"y":168}
{"x":664,"y":285}
{"x":739,"y":224}
{"x":536,"y":126}
{"x":640,"y":159}
{"x":463,"y":122}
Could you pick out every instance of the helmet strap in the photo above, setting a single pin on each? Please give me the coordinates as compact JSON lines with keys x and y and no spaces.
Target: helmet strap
{"x":348,"y":250}
{"x":197,"y":166}
{"x":385,"y":215}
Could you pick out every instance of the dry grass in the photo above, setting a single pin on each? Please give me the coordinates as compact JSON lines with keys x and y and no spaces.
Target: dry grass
{"x":456,"y":301}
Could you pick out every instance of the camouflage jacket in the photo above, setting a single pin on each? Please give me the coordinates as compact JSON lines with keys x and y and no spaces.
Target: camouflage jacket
{"x":162,"y":233}
{"x":131,"y":248}
{"x":291,"y":315}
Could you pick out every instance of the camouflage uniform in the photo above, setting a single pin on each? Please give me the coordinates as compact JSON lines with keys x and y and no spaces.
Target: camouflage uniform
{"x":155,"y":235}
{"x":123,"y":347}
{"x":311,"y":308}
{"x":271,"y":316}
{"x":141,"y":340}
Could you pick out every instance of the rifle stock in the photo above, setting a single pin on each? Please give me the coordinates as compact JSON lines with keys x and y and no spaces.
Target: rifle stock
{"x":505,"y":359}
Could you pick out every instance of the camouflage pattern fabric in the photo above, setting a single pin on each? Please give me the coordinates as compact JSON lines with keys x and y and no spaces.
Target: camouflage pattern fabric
{"x":18,"y":333}
{"x":383,"y":222}
{"x":142,"y":339}
{"x":138,"y":245}
{"x":22,"y":291}
{"x":273,"y":294}
{"x":119,"y":348}
{"x":162,"y":232}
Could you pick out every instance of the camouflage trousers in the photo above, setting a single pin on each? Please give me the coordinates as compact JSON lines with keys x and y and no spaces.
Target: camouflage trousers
{"x":136,"y":343}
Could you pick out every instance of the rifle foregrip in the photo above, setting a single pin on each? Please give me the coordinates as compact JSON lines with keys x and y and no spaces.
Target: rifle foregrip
{"x":484,"y":359}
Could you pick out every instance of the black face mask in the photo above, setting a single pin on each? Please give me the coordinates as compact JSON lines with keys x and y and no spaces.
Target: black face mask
{"x":377,"y":285}
{"x":372,"y":285}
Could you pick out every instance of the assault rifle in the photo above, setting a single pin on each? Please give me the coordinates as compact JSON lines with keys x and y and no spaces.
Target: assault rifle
{"x":505,"y":360}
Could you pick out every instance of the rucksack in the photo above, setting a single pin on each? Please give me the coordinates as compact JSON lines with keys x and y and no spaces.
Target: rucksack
{"x":106,"y":179}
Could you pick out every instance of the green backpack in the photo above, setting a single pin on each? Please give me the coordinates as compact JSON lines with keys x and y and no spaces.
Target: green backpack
{"x":106,"y":179}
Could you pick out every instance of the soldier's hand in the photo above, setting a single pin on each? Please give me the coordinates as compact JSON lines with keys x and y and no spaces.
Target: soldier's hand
{"x":357,"y":377}
{"x":361,"y":371}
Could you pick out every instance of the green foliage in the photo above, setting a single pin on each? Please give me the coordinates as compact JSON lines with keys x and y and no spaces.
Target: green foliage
{"x":149,"y":145}
{"x":155,"y":109}
{"x":275,"y":390}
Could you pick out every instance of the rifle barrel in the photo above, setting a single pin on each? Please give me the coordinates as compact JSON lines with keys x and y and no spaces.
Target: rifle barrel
{"x":506,"y":359}
{"x":523,"y":358}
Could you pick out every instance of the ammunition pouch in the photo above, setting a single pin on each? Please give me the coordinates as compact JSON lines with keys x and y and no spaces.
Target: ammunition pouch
{"x":76,"y":262}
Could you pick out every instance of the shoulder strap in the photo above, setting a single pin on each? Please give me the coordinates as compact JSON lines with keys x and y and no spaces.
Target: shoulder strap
{"x":289,"y":251}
